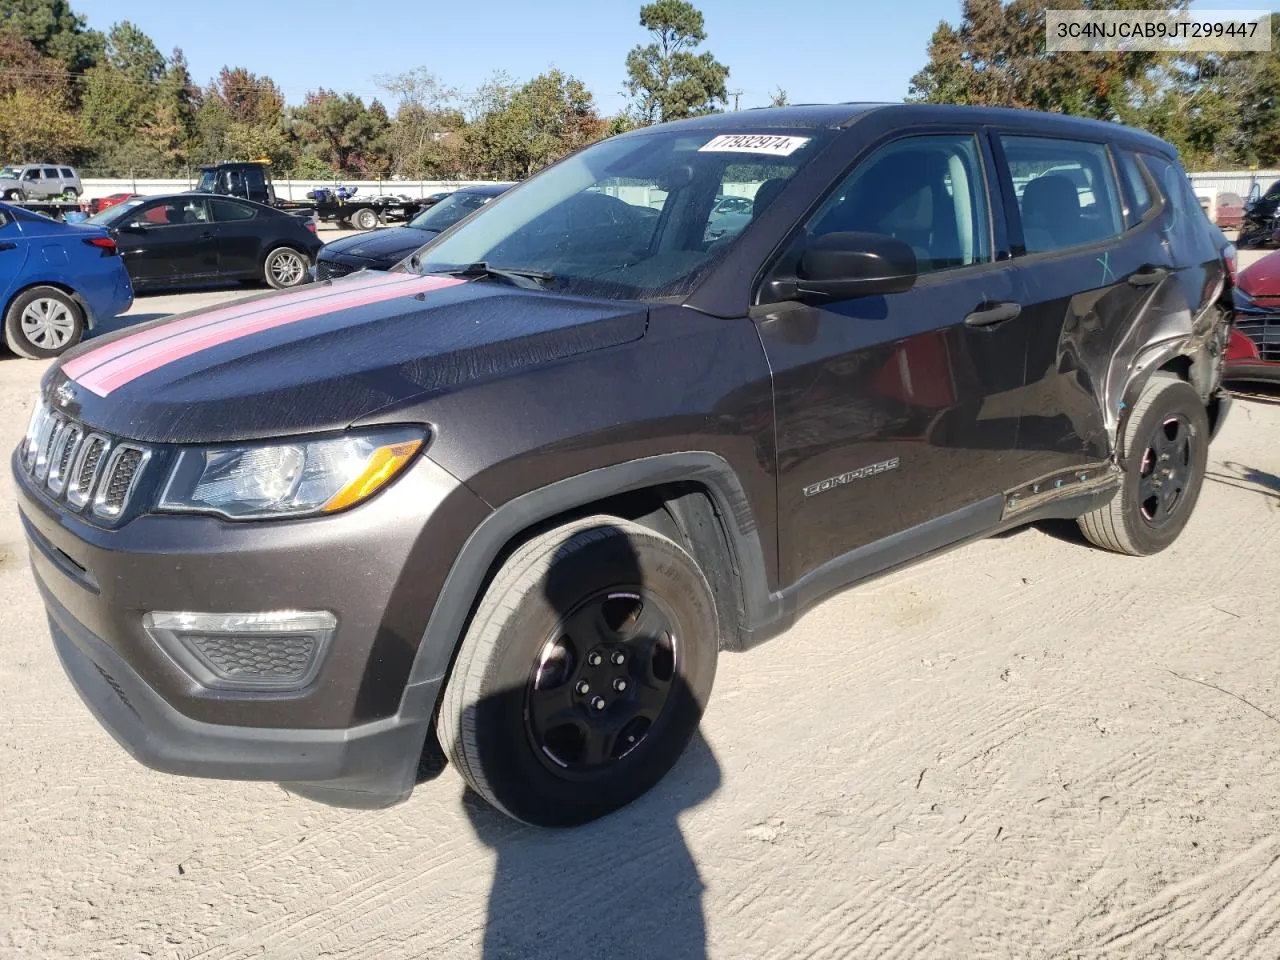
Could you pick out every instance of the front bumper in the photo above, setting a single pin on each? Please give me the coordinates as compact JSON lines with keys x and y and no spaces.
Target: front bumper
{"x":353,"y":736}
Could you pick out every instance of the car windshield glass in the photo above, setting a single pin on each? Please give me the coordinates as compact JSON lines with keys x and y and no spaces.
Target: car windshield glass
{"x":111,"y":213}
{"x":632,"y":217}
{"x":449,"y":211}
{"x":208,"y":180}
{"x":9,"y":173}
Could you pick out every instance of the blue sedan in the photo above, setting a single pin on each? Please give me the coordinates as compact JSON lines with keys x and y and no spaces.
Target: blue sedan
{"x":57,"y":280}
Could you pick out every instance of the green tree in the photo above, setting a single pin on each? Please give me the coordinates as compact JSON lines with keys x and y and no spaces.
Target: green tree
{"x":342,"y":132}
{"x":666,"y":78}
{"x":55,"y":30}
{"x":423,"y":137}
{"x":997,"y":56}
{"x":779,"y":98}
{"x":241,"y":116}
{"x":526,"y":128}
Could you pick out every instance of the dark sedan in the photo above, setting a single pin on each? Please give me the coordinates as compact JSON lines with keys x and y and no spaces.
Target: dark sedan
{"x":383,"y":249}
{"x":195,"y":239}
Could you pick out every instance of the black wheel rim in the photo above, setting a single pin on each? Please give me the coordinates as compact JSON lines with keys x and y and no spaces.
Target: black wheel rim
{"x":1165,"y":471}
{"x":602,"y":682}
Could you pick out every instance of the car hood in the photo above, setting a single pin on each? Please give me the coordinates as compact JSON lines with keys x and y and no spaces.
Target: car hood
{"x":322,"y":357}
{"x":394,"y":244}
{"x":1262,"y":277}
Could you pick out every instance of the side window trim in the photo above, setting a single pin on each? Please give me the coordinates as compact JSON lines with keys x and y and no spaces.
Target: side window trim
{"x":975,"y":131}
{"x":1158,"y":200}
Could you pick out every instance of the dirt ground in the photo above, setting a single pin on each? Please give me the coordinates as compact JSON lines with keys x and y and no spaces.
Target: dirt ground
{"x":1025,"y":748}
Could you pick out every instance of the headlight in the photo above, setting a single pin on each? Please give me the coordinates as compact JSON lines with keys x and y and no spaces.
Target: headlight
{"x":293,"y":479}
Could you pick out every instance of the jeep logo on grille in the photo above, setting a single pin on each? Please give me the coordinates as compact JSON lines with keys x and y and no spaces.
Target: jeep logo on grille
{"x":869,"y":470}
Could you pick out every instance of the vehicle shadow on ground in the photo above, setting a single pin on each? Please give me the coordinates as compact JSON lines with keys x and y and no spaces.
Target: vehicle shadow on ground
{"x":1247,"y":478}
{"x":621,"y":887}
{"x":624,"y":885}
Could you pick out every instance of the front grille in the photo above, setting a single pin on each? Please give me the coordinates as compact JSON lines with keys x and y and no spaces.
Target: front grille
{"x":82,"y":468}
{"x":1265,"y":334}
{"x":328,"y":270}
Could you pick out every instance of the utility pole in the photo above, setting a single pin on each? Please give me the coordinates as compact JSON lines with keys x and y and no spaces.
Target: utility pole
{"x":735,"y":94}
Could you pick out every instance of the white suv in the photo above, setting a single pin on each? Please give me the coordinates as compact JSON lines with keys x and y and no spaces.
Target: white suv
{"x":38,"y":181}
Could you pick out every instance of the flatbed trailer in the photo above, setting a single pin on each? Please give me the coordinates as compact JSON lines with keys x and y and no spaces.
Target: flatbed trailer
{"x":363,"y":213}
{"x":54,"y":209}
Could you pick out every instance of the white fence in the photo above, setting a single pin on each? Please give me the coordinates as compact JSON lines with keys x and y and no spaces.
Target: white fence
{"x":1239,"y":183}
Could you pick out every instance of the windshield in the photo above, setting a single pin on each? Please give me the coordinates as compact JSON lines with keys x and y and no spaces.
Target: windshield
{"x":633,"y":217}
{"x":103,"y":216}
{"x":208,"y":180}
{"x":9,"y":173}
{"x":449,"y":211}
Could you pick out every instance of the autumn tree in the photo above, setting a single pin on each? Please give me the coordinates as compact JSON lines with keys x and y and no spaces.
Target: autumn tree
{"x":666,"y":78}
{"x":36,"y":121}
{"x":997,"y":57}
{"x":241,"y":116}
{"x":423,"y":138}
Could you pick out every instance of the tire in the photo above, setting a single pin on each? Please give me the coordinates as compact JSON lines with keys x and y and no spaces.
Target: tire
{"x":519,"y":664}
{"x":42,"y":323}
{"x":285,"y":267}
{"x":1168,"y":425}
{"x":365,"y":219}
{"x":12,"y":194}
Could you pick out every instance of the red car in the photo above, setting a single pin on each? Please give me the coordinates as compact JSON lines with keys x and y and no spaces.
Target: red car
{"x":1253,"y":352}
{"x":1230,"y":211}
{"x":105,"y":203}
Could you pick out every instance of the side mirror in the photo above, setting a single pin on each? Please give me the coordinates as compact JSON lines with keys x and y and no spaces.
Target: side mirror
{"x":840,"y":266}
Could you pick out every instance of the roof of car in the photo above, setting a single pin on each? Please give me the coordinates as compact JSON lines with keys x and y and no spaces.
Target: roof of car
{"x":837,"y":115}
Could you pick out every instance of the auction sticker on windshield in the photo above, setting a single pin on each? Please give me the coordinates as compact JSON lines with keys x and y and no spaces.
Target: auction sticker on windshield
{"x":754,"y":143}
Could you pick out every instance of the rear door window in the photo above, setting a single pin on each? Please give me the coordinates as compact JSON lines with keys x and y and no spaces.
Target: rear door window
{"x":68,"y":173}
{"x":51,"y":173}
{"x":1067,"y":195}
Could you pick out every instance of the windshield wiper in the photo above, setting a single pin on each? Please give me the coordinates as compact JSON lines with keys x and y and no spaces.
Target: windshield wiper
{"x":525,"y":279}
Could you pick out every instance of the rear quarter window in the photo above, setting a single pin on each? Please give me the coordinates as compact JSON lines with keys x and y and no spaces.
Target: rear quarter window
{"x":1138,"y":194}
{"x":68,"y":173}
{"x":1185,"y":224}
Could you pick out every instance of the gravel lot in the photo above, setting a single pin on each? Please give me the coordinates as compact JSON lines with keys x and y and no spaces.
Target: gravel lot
{"x":1025,"y":748}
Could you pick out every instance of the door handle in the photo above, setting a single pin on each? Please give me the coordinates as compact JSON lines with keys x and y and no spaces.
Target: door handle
{"x":1147,"y":276}
{"x":8,"y":246}
{"x":206,"y":236}
{"x":988,"y":314}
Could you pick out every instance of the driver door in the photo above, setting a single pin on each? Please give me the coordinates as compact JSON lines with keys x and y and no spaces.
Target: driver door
{"x":895,"y":413}
{"x":169,"y":241}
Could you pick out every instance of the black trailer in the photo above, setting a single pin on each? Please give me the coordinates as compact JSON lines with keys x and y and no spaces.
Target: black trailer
{"x":54,"y":209}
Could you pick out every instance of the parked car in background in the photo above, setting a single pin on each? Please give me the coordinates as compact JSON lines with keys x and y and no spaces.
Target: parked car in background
{"x":98,"y":204}
{"x":57,"y":280}
{"x":383,"y":249}
{"x":39,"y":181}
{"x":1253,"y":352}
{"x":1228,"y":210}
{"x":194,"y":239}
{"x":728,"y":217}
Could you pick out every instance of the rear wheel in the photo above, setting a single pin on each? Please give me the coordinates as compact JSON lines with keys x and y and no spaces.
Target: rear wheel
{"x":584,"y":672}
{"x":42,"y":323}
{"x":285,"y":267}
{"x":1165,"y":451}
{"x":365,"y":219}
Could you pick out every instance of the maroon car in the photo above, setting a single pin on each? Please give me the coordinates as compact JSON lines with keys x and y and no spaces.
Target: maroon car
{"x":1253,"y":352}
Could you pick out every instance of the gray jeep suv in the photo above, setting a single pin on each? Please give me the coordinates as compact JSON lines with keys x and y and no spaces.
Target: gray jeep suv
{"x":39,"y":181}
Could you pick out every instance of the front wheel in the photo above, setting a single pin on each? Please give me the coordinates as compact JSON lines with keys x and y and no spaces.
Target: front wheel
{"x":1165,"y":452}
{"x":584,"y":673}
{"x":285,"y":267}
{"x":42,"y":323}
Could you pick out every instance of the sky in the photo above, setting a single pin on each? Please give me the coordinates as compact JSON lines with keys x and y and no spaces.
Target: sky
{"x":816,"y":50}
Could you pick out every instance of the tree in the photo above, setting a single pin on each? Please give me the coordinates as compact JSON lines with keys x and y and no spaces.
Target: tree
{"x":123,"y":89}
{"x":665,"y":78}
{"x":779,"y":98}
{"x":36,"y":122}
{"x":997,"y":56}
{"x":529,"y":127}
{"x":241,"y":115}
{"x":342,"y":132}
{"x":55,"y":30}
{"x":422,"y":139}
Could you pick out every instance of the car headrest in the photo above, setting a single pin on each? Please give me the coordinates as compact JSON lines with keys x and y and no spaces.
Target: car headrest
{"x":1049,"y":200}
{"x":765,"y":195}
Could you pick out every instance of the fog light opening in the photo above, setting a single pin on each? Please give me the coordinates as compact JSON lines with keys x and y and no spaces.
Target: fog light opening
{"x":279,"y":650}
